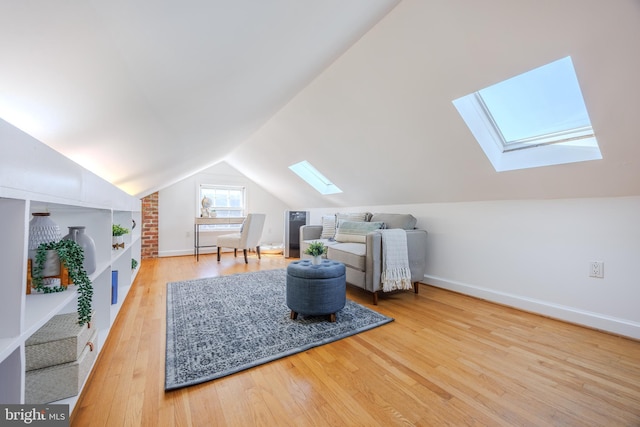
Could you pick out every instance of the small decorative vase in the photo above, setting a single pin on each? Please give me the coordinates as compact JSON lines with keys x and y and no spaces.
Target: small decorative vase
{"x":316,"y":260}
{"x":51,"y":264}
{"x":42,"y":229}
{"x":78,"y":235}
{"x":117,"y":242}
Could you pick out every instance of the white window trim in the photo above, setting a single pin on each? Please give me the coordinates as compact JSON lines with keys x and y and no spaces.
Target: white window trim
{"x":492,"y":143}
{"x":565,"y":136}
{"x":314,"y":178}
{"x":224,"y":228}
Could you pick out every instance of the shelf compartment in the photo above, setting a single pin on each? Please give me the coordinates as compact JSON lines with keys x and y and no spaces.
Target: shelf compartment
{"x":39,"y":308}
{"x":8,"y":345}
{"x":11,"y":372}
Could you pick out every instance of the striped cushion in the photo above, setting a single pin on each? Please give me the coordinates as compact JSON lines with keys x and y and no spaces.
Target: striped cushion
{"x":328,"y":227}
{"x":355,"y":231}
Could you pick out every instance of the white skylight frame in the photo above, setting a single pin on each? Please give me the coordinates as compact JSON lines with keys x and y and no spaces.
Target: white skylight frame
{"x":313,"y":177}
{"x":577,"y":143}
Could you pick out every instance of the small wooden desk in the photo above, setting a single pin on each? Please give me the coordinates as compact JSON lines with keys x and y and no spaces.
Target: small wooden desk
{"x":210,"y":221}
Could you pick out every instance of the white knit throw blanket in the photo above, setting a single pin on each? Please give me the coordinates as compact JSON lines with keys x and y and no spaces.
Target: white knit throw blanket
{"x":395,"y":260}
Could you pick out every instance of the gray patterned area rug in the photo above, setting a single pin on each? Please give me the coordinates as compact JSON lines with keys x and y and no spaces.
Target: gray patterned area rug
{"x":221,"y":325}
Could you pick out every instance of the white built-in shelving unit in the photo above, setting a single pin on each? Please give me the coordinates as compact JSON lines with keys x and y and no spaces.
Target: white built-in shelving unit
{"x":35,"y":178}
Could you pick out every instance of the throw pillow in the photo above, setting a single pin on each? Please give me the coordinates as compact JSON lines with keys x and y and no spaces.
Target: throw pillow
{"x":354,"y":216}
{"x":328,"y":227}
{"x":356,"y":231}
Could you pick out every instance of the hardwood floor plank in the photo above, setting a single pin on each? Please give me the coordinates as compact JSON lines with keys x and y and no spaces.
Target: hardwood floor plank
{"x":337,"y":395}
{"x":447,"y":359}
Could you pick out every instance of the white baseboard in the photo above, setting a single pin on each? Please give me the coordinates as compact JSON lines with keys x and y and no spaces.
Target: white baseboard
{"x":569,"y":314}
{"x":174,"y":253}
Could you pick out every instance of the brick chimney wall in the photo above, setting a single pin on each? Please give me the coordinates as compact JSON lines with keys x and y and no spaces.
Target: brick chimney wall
{"x":150,"y":226}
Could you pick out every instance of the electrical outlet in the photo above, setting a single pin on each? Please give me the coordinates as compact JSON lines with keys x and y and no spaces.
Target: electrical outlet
{"x":596,"y":269}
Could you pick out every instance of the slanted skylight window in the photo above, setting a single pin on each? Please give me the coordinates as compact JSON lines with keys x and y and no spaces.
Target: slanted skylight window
{"x":535,"y":119}
{"x":314,"y":178}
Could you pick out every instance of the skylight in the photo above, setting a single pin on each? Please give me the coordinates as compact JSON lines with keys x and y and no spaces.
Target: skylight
{"x":535,"y":119}
{"x":314,"y":178}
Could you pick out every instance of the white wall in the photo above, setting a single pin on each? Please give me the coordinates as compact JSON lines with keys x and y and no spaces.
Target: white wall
{"x":529,"y":254}
{"x":177,"y":206}
{"x":534,"y":255}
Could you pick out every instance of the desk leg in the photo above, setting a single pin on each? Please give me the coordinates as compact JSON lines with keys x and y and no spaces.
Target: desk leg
{"x":196,"y":241}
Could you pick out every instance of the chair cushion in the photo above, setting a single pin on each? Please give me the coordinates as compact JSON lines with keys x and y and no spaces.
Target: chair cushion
{"x":229,"y":240}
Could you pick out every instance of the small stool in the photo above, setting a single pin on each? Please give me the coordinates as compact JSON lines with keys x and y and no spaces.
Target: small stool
{"x":316,"y":289}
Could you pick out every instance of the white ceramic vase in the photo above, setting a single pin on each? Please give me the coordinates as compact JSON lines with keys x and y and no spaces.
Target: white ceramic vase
{"x":42,"y":229}
{"x":117,"y":242}
{"x":77,"y":234}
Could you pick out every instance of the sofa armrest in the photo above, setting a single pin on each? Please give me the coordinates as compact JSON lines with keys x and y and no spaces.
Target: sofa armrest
{"x":416,"y":250}
{"x":373,"y":262}
{"x":310,"y":232}
{"x":417,"y":247}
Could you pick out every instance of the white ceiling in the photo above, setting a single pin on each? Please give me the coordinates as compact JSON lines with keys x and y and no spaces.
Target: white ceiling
{"x":145,"y":93}
{"x":380,"y":122}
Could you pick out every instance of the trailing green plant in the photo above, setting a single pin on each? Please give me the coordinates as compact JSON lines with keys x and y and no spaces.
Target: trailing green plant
{"x":316,"y":249}
{"x":71,"y":255}
{"x":118,"y":230}
{"x":134,"y":263}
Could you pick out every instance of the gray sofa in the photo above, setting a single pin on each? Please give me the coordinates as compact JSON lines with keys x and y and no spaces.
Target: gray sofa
{"x":362,"y":254}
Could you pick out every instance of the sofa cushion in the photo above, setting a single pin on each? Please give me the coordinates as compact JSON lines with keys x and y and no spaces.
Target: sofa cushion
{"x":355,"y":231}
{"x":404,"y":221}
{"x":328,"y":227}
{"x":305,"y":244}
{"x":350,"y":254}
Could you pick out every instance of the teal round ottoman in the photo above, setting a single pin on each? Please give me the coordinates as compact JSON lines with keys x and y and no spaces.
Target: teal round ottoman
{"x":316,"y":290}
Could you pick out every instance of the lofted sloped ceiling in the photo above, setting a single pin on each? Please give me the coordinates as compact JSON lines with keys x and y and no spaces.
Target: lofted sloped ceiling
{"x":380,"y":123}
{"x":145,"y":93}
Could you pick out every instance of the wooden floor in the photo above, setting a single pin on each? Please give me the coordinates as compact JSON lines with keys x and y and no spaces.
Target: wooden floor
{"x":447,"y":359}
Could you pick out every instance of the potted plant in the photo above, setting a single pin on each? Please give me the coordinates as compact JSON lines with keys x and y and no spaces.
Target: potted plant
{"x":118,"y":232}
{"x":71,"y":256}
{"x":316,"y":250}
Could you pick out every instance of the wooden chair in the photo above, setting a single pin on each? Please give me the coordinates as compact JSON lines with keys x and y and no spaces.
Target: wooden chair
{"x":248,"y":237}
